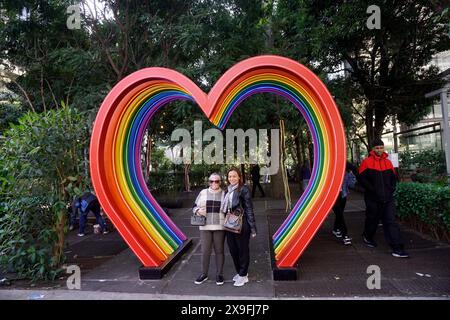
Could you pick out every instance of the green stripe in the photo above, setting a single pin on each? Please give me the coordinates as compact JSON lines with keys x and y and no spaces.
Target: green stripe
{"x":147,"y":213}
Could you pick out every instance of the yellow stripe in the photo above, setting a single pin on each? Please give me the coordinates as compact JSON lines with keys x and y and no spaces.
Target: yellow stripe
{"x":119,"y":150}
{"x":305,"y":94}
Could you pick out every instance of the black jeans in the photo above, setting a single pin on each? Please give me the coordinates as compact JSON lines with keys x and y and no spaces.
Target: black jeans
{"x":95,"y":209}
{"x":239,"y":248}
{"x":338,"y":209}
{"x":256,"y":183}
{"x":386,"y":212}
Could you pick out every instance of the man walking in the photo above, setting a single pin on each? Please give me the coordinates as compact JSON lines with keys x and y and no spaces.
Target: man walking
{"x":255,"y":179}
{"x":305,"y":175}
{"x":377,"y":176}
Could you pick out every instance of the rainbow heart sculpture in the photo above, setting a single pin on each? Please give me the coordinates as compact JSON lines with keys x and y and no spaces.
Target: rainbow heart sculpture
{"x":129,"y":107}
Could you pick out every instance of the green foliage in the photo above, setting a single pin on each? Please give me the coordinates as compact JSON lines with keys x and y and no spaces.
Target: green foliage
{"x":9,"y":113}
{"x":39,"y":159}
{"x":43,"y":155}
{"x":166,"y":181}
{"x":389,"y":66}
{"x":160,"y":161}
{"x":427,"y":204}
{"x":429,"y":164}
{"x":28,"y":237}
{"x":56,"y":64}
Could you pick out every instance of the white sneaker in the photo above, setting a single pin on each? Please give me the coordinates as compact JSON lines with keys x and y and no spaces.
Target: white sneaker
{"x":337,"y":233}
{"x":241,"y":281}
{"x":236,"y":277}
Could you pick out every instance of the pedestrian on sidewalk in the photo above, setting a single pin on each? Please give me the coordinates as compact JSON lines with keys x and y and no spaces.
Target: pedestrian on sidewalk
{"x":212,"y":234}
{"x":238,"y":196}
{"x":88,"y":202}
{"x":377,"y":176}
{"x":255,"y":180}
{"x":305,"y":175}
{"x":340,"y":228}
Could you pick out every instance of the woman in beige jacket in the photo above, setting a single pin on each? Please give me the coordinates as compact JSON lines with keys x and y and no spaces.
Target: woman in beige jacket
{"x":212,"y":234}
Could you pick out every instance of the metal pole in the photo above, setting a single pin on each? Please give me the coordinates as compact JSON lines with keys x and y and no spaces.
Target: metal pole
{"x":446,"y":130}
{"x":394,"y":122}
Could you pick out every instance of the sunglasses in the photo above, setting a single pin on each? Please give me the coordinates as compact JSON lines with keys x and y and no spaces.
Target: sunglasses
{"x":214,"y":181}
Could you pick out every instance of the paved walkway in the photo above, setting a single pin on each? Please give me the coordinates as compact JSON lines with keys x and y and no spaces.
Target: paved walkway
{"x":327,"y":269}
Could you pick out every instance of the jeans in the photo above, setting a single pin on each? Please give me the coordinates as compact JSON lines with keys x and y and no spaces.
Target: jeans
{"x":210,"y":239}
{"x":95,"y":209}
{"x":239,"y":248}
{"x":305,"y":183}
{"x":386,"y":212}
{"x":257,"y":184}
{"x":339,"y":222}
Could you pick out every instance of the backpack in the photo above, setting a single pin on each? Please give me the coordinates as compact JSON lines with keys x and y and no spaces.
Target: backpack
{"x":86,"y":200}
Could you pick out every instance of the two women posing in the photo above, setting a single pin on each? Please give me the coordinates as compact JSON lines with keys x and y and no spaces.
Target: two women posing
{"x":214,"y":203}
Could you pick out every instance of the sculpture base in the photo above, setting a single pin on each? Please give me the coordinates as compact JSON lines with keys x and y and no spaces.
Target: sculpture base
{"x":281,"y":274}
{"x":152,"y":273}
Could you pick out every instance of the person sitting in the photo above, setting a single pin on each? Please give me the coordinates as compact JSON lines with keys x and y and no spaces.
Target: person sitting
{"x":88,"y":202}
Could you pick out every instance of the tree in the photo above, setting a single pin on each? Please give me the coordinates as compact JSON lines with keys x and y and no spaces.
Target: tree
{"x":10,"y":111}
{"x":40,"y":159}
{"x":389,"y":66}
{"x":54,"y":63}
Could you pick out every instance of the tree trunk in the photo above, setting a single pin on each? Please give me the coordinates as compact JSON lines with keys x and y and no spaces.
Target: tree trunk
{"x":369,"y":126}
{"x":277,"y":186}
{"x":187,"y":182}
{"x":60,"y":225}
{"x":303,"y":147}
{"x":287,"y":191}
{"x":297,"y":144}
{"x":42,"y":90}
{"x":24,"y":93}
{"x":350,"y":147}
{"x":300,"y":156}
{"x":243,"y":172}
{"x":375,"y":116}
{"x":380,"y":117}
{"x":310,"y":150}
{"x":148,"y":156}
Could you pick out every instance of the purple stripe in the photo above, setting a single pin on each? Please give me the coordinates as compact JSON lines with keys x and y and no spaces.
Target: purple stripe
{"x":139,"y":173}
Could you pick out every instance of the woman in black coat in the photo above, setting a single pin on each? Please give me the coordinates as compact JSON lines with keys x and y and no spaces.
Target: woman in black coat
{"x":238,"y":196}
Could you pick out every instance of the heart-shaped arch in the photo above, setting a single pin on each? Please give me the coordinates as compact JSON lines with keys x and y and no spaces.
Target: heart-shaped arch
{"x":126,"y":111}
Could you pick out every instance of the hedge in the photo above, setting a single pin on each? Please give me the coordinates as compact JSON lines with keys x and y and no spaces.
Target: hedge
{"x":425,"y":206}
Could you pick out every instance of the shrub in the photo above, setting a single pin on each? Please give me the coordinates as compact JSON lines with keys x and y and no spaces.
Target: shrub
{"x":40,"y":157}
{"x":429,"y":165}
{"x":426,"y":206}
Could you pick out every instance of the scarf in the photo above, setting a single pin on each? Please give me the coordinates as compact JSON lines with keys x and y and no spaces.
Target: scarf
{"x":214,"y":191}
{"x":226,"y":203}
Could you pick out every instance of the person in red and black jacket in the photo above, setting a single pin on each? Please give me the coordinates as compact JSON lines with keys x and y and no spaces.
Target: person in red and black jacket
{"x":378,"y":178}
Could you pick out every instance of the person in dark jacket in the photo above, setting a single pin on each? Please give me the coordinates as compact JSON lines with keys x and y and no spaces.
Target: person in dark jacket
{"x":305,"y":175}
{"x":340,"y":227}
{"x":377,"y":176}
{"x":256,"y":176}
{"x":88,"y":202}
{"x":238,"y":195}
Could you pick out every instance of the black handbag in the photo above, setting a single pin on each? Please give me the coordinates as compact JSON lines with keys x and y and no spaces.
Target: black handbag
{"x":233,"y":220}
{"x":198,"y":220}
